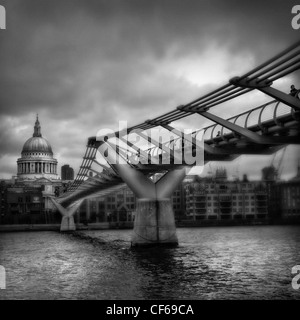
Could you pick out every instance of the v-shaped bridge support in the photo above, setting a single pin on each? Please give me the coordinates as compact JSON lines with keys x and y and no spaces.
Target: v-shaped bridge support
{"x":154,"y":222}
{"x":67,"y":223}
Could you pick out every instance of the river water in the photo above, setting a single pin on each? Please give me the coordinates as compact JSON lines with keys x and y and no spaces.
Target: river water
{"x":250,"y":262}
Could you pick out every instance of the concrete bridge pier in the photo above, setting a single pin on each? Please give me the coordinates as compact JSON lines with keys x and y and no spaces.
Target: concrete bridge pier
{"x":67,"y":222}
{"x":154,"y":222}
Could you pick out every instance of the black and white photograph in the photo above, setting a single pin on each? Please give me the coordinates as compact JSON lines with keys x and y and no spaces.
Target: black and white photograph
{"x":149,"y":152}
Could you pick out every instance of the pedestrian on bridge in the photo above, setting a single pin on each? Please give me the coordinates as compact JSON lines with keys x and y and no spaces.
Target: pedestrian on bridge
{"x":294,"y":92}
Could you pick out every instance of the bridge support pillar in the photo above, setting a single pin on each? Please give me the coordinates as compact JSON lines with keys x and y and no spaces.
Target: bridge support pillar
{"x":154,"y":223}
{"x":67,"y":222}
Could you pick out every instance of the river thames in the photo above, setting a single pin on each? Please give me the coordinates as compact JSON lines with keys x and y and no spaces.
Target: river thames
{"x":210,"y":263}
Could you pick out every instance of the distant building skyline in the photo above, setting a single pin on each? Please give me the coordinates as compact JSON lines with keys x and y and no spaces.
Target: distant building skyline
{"x":67,"y":172}
{"x":196,"y":198}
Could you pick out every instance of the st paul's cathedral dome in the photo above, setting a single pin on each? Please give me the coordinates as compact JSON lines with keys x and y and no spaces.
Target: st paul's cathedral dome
{"x":37,"y":157}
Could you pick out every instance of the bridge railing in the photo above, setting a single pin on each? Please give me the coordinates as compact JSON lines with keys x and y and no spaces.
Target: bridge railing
{"x":273,"y":111}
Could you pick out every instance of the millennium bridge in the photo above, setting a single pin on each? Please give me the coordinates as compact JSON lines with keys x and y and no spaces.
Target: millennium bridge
{"x":262,"y":130}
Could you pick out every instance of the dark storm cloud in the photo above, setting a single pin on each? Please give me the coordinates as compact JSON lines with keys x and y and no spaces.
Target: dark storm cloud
{"x":48,"y":42}
{"x":95,"y":62}
{"x":9,"y":137}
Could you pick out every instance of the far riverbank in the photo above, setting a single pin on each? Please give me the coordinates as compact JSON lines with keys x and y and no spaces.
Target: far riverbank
{"x":129,"y":225}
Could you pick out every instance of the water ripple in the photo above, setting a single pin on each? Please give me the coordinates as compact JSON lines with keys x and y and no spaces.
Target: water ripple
{"x":209,"y":263}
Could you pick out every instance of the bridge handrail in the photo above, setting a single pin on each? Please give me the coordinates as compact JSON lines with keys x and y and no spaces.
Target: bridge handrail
{"x":235,"y":118}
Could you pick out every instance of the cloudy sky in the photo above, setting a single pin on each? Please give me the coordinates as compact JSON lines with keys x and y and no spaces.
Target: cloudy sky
{"x":83,"y":65}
